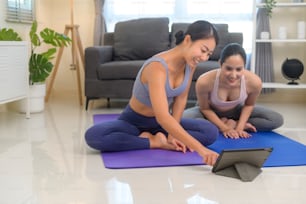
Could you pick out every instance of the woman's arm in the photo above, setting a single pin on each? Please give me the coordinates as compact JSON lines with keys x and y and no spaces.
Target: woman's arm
{"x":204,"y":87}
{"x":178,"y":107}
{"x":254,"y":86}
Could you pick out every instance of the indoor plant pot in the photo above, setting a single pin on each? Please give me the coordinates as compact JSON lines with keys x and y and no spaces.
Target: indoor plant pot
{"x":36,"y":98}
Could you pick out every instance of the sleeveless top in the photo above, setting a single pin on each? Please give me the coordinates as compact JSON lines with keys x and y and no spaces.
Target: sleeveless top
{"x":216,"y":102}
{"x":141,"y":91}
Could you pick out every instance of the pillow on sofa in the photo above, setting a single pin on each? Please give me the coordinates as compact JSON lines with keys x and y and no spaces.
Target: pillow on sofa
{"x":222,"y":30}
{"x":141,"y":38}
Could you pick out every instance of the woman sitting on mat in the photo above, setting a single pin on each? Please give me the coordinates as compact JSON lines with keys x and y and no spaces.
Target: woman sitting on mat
{"x":163,"y":82}
{"x":226,"y":97}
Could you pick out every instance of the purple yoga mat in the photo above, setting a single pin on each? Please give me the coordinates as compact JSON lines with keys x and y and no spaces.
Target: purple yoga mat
{"x":149,"y":158}
{"x":286,"y":152}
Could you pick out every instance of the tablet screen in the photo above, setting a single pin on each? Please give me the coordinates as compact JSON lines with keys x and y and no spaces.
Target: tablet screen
{"x":253,"y":156}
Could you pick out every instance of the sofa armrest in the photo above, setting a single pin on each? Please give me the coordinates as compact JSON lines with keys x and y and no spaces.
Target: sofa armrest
{"x":94,"y":56}
{"x":235,"y":38}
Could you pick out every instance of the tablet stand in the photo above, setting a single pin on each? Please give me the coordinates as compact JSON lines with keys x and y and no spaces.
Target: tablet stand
{"x":242,"y":171}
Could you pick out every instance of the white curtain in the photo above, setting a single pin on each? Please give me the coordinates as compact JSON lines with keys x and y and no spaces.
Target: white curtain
{"x":100,"y":27}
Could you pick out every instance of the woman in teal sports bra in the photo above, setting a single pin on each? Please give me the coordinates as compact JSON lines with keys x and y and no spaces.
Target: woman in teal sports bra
{"x":227,"y":96}
{"x":153,"y":117}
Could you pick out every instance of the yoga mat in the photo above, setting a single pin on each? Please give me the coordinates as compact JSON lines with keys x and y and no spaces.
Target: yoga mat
{"x":286,"y":152}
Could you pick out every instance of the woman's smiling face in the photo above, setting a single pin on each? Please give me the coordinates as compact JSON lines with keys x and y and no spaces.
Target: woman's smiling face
{"x":232,"y":70}
{"x":200,"y":51}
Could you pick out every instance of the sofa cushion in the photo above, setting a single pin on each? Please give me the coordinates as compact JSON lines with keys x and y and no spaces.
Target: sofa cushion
{"x":129,"y":69}
{"x":141,"y":38}
{"x":222,"y":30}
{"x":116,"y":70}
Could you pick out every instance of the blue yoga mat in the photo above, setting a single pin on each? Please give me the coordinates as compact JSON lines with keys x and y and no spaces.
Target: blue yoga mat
{"x":286,"y":152}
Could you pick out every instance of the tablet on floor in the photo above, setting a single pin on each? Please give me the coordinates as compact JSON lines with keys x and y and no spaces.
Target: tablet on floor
{"x":244,"y":164}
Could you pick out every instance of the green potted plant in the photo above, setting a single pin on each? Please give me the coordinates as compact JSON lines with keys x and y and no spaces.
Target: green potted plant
{"x":44,"y":45}
{"x":269,"y":5}
{"x":40,"y":64}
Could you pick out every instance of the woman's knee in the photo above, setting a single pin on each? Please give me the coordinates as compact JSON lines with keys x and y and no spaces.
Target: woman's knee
{"x":208,"y":131}
{"x":213,"y":134}
{"x":277,"y":120}
{"x":192,"y":113}
{"x":91,"y":137}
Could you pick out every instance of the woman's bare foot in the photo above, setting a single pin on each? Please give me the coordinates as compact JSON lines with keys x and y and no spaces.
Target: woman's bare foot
{"x":145,"y":135}
{"x":250,"y":127}
{"x":161,"y":141}
{"x":158,"y":141}
{"x":224,"y":119}
{"x":231,"y":123}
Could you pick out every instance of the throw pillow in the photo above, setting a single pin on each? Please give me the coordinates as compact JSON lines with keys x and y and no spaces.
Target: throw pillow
{"x":140,"y":39}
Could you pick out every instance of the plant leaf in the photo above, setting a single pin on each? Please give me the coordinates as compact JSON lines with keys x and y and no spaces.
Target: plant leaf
{"x":8,"y":34}
{"x":40,"y":68}
{"x":49,"y":54}
{"x":49,"y":36}
{"x":33,"y":35}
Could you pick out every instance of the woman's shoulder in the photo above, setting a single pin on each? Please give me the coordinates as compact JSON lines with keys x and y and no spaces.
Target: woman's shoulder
{"x":208,"y":78}
{"x":252,"y":80}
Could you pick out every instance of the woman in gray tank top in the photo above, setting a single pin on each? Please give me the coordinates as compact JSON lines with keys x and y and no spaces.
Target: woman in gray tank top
{"x":152,"y":119}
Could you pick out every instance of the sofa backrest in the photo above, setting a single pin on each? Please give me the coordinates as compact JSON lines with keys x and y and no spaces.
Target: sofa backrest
{"x":142,"y":38}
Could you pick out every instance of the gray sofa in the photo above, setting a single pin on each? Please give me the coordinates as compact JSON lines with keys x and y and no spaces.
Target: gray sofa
{"x":110,"y":70}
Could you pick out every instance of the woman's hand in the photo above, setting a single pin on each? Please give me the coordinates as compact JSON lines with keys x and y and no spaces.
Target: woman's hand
{"x":209,"y":157}
{"x":243,"y":134}
{"x":230,"y":133}
{"x":179,"y":146}
{"x":235,"y":134}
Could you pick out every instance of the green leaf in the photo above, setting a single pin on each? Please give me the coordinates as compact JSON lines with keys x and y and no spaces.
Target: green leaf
{"x":269,"y":5}
{"x":49,"y":36}
{"x":49,"y":54}
{"x":33,"y":35}
{"x":8,"y":34}
{"x":40,"y":68}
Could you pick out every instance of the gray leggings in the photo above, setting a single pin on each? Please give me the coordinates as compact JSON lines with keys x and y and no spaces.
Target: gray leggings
{"x":262,"y":118}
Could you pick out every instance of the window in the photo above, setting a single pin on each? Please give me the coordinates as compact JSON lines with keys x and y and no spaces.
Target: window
{"x":21,"y":11}
{"x":217,"y":11}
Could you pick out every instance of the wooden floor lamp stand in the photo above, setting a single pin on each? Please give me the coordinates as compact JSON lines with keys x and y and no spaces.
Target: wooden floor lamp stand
{"x":76,"y":49}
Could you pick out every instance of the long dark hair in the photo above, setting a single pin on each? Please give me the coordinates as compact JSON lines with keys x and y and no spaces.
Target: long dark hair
{"x":198,"y":30}
{"x":230,"y":50}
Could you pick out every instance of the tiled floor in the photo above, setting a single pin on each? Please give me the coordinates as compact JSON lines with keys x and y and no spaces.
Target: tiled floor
{"x":44,"y":160}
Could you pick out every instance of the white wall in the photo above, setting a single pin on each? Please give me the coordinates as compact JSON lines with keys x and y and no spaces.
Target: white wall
{"x":56,"y":14}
